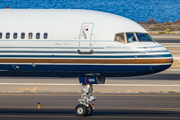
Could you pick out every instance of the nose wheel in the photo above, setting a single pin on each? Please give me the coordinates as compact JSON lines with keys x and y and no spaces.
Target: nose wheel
{"x":81,"y":110}
{"x":84,"y":108}
{"x":89,"y":110}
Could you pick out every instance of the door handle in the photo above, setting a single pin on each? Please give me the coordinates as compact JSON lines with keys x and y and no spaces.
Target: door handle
{"x":90,"y":52}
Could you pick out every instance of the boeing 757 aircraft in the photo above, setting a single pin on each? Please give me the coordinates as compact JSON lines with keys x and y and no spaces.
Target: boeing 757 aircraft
{"x":87,"y":44}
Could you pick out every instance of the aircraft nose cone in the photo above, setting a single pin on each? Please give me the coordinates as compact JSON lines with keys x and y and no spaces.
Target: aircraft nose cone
{"x":160,"y":59}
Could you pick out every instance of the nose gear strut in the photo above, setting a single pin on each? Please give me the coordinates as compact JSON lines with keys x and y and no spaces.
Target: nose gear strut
{"x":86,"y":97}
{"x":85,"y":108}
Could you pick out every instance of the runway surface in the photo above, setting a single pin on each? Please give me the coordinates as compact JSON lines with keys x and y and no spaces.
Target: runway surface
{"x":167,"y":40}
{"x":55,"y":106}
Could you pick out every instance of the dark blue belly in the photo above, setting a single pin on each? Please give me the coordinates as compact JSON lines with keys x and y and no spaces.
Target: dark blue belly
{"x":78,"y":70}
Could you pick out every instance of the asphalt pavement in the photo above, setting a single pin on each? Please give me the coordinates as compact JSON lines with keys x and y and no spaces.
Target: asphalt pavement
{"x":136,"y":106}
{"x":167,"y":40}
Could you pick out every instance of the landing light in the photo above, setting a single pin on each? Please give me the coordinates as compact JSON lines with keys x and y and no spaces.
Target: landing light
{"x":88,"y":86}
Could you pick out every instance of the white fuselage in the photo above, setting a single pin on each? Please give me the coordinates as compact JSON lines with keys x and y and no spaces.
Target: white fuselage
{"x":77,"y":42}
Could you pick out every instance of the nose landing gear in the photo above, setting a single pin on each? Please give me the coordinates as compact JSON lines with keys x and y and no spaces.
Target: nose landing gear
{"x":84,"y":108}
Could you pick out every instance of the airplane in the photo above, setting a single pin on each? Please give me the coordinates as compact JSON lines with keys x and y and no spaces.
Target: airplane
{"x":87,"y":44}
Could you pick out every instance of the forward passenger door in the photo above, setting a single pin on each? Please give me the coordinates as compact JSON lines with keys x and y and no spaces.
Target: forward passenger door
{"x":85,"y":38}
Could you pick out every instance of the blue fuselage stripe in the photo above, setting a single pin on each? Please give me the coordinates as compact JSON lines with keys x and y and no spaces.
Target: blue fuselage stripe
{"x":95,"y":52}
{"x":85,"y":56}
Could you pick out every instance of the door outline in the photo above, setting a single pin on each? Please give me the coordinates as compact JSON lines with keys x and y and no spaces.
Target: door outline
{"x":90,"y":51}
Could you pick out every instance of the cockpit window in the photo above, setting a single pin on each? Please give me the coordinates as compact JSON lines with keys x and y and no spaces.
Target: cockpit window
{"x":119,"y":38}
{"x":143,"y":37}
{"x":130,"y":37}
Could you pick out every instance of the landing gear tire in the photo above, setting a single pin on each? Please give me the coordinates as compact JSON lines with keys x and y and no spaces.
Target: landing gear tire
{"x":89,"y":110}
{"x":84,"y":108}
{"x":81,"y":110}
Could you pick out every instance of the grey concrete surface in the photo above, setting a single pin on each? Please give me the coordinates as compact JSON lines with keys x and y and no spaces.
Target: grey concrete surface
{"x":171,"y":45}
{"x":168,"y":40}
{"x":137,"y":106}
{"x":162,"y":36}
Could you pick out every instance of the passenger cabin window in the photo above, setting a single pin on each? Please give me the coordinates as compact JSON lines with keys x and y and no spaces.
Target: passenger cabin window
{"x":130,"y":37}
{"x":0,"y":35}
{"x":30,"y":35}
{"x":45,"y":35}
{"x":37,"y":35}
{"x":7,"y":35}
{"x":143,"y":37}
{"x":15,"y":36}
{"x":120,"y":38}
{"x":22,"y":35}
